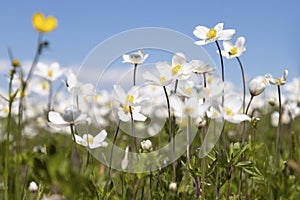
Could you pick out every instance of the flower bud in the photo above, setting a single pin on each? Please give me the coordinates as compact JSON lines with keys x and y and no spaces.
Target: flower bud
{"x":257,"y":86}
{"x":173,"y":187}
{"x":146,"y":145}
{"x":271,"y":102}
{"x":15,"y":63}
{"x":33,"y":187}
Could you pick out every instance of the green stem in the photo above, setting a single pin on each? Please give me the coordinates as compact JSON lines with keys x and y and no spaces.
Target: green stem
{"x":244,"y":83}
{"x":6,"y":167}
{"x":170,"y":133}
{"x":134,"y":74}
{"x":21,"y":108}
{"x":176,"y":86}
{"x":188,"y":142}
{"x":223,"y":72}
{"x":50,"y":96}
{"x":111,"y":156}
{"x":278,"y":132}
{"x":8,"y":130}
{"x":243,"y":141}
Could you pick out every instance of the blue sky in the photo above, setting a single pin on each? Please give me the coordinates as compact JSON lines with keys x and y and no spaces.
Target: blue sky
{"x":271,"y":28}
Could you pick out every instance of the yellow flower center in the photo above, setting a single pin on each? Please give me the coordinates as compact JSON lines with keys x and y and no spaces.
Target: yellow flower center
{"x":162,"y":79}
{"x":90,"y":140}
{"x":280,"y":81}
{"x":183,"y":122}
{"x":188,"y":111}
{"x":6,"y":110}
{"x":207,"y":91}
{"x":176,"y":69}
{"x":215,"y":114}
{"x":42,"y":24}
{"x":211,"y":33}
{"x":96,"y":97}
{"x":44,"y":85}
{"x":229,"y":112}
{"x":233,"y":51}
{"x":188,"y":90}
{"x":130,"y":98}
{"x":127,"y":109}
{"x":108,"y":105}
{"x":209,"y":79}
{"x":50,"y":73}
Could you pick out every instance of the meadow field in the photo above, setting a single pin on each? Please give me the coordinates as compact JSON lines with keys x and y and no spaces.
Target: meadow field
{"x":183,"y":132}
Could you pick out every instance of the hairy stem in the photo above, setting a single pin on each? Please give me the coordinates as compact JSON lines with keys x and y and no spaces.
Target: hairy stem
{"x":170,"y":133}
{"x":134,"y":74}
{"x":222,"y":67}
{"x":244,"y":83}
{"x":111,"y":156}
{"x":278,"y":132}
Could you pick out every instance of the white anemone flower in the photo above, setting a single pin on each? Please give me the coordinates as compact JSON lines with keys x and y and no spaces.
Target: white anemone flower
{"x":40,"y":86}
{"x":125,"y":116}
{"x":285,"y":118}
{"x":179,"y":69}
{"x":293,"y":88}
{"x":50,"y":72}
{"x":165,"y":76}
{"x":71,"y":116}
{"x":211,"y":35}
{"x":277,"y":81}
{"x":236,"y":50}
{"x":135,"y":58}
{"x":231,"y":110}
{"x":77,"y":88}
{"x":186,"y":89}
{"x":92,"y":142}
{"x":199,"y":67}
{"x":129,"y":104}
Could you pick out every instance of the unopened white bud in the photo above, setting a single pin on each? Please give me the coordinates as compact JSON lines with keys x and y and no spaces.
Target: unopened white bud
{"x":146,"y":145}
{"x":257,"y":86}
{"x":33,"y":187}
{"x":173,"y":187}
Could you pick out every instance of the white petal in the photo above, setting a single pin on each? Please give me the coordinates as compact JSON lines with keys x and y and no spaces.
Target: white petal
{"x":71,"y":79}
{"x":82,"y":119}
{"x":237,"y":118}
{"x":55,"y":66}
{"x":56,"y":118}
{"x":178,"y":59}
{"x":145,"y":57}
{"x":100,"y":137}
{"x":240,"y":42}
{"x":227,"y":46}
{"x":138,"y":116}
{"x":285,"y":74}
{"x":164,"y":69}
{"x":126,"y":59}
{"x":123,"y":116}
{"x":226,"y":34}
{"x":149,"y":77}
{"x":219,"y":27}
{"x":200,"y":32}
{"x":87,"y":89}
{"x":201,"y":42}
{"x":80,"y":140}
{"x":119,"y":94}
